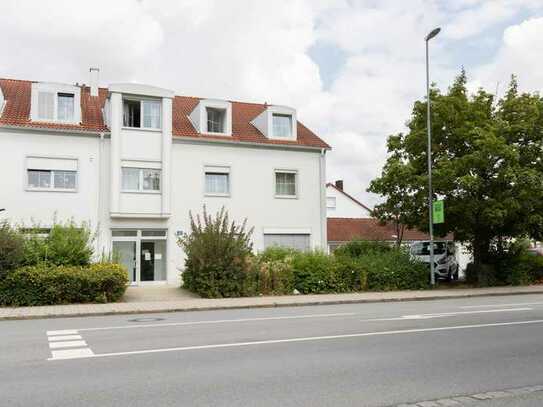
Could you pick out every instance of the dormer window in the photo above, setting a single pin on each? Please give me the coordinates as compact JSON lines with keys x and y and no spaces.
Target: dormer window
{"x":215,"y":120}
{"x":282,"y":125}
{"x":56,"y":103}
{"x":56,"y":106}
{"x":65,"y":107}
{"x":277,"y":122}
{"x":142,"y":114}
{"x":211,"y":116}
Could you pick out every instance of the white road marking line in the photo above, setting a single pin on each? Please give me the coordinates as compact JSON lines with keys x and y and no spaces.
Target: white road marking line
{"x":304,"y":339}
{"x":520,"y":304}
{"x":71,"y":353}
{"x":445,"y":314}
{"x":219,"y":321}
{"x":64,"y":338}
{"x":62,"y":332}
{"x":67,"y":344}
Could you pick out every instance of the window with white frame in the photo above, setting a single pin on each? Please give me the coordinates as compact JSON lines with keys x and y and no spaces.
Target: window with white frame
{"x":140,"y":179}
{"x":215,"y":120}
{"x":56,"y":106}
{"x":144,"y":114}
{"x":330,"y":202}
{"x":282,"y":125}
{"x":51,"y":174}
{"x":285,"y":183}
{"x":217,"y":180}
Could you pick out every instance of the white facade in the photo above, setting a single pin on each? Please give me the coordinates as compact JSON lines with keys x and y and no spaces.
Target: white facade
{"x":341,"y":205}
{"x":147,"y":222}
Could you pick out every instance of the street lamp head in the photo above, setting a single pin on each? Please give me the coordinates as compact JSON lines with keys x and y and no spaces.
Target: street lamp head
{"x":433,"y":33}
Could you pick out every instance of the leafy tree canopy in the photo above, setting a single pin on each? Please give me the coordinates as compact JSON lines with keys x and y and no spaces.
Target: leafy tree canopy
{"x":487,"y":167}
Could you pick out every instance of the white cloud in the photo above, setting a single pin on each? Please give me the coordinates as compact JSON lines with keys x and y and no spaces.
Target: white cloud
{"x":521,"y":53}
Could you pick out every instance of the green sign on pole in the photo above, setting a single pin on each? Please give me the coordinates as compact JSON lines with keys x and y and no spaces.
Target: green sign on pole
{"x":438,"y":212}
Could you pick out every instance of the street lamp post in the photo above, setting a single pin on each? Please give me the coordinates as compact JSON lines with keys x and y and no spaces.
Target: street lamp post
{"x":431,"y":35}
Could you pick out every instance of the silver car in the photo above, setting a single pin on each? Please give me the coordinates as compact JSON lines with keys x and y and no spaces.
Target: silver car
{"x":445,"y":262}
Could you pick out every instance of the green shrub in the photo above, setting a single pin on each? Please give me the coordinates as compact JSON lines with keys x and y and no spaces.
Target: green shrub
{"x":277,"y":253}
{"x":11,"y":248}
{"x":352,"y":273}
{"x":394,"y":270}
{"x":527,"y":269}
{"x":357,"y":248}
{"x":66,"y":244}
{"x":270,"y":277}
{"x":316,"y":272}
{"x":47,"y":284}
{"x":219,"y":256}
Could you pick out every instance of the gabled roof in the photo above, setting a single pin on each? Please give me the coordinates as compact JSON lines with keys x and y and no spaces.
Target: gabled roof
{"x":346,"y":229}
{"x":17,"y":94}
{"x":349,"y":196}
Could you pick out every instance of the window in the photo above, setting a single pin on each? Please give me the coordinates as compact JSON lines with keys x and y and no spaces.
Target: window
{"x":330,"y":202}
{"x":65,"y":107}
{"x":132,"y":113}
{"x":215,"y":120}
{"x":294,"y":241}
{"x":151,"y":180}
{"x":282,"y":125}
{"x":285,"y":183}
{"x":217,"y":180}
{"x":140,"y":179}
{"x":56,"y":106}
{"x":51,"y":179}
{"x":46,"y":105}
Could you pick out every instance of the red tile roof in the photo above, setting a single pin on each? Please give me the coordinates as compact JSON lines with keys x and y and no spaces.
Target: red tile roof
{"x":17,"y":113}
{"x":345,"y":229}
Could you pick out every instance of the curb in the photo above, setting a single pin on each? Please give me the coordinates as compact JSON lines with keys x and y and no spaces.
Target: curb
{"x":266,"y":305}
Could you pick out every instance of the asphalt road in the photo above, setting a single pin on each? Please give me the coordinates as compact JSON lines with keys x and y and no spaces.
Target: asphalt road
{"x":342,"y":355}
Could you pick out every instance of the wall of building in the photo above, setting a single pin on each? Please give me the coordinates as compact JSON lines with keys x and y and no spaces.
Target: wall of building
{"x":26,"y":207}
{"x":345,"y":206}
{"x":251,"y":189}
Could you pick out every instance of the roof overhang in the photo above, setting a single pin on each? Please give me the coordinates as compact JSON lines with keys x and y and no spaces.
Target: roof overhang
{"x":140,"y":90}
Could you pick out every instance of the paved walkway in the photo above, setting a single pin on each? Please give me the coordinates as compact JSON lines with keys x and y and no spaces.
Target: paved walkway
{"x":146,"y":301}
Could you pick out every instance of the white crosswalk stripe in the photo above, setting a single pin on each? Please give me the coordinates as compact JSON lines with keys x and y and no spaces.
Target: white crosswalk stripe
{"x":67,"y":344}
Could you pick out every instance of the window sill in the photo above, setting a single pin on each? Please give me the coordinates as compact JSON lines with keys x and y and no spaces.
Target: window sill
{"x":286,"y":196}
{"x":65,"y":190}
{"x":151,"y":130}
{"x":217,"y":195}
{"x":210,"y":133}
{"x":124,"y":191}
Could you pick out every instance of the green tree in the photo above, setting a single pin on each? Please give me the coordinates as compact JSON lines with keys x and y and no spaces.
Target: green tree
{"x":486,"y":159}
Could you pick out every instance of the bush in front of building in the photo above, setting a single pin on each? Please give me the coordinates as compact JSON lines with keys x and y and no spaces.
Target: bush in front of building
{"x":395,"y":270}
{"x":47,"y":284}
{"x":270,"y":276}
{"x":64,"y":244}
{"x":219,"y":256}
{"x":11,"y":248}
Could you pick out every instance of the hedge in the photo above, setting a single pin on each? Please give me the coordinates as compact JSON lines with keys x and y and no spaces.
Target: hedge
{"x":49,"y":285}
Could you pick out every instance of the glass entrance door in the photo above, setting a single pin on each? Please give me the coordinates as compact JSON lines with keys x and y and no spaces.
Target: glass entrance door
{"x":142,"y":252}
{"x":126,"y":250}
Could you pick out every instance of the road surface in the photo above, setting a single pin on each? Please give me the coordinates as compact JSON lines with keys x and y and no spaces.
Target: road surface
{"x":382,"y":354}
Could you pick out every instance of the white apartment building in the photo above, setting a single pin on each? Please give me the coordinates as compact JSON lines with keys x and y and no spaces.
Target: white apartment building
{"x":133,"y":160}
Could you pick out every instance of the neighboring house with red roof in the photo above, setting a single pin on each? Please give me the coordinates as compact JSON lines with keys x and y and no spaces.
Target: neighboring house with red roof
{"x":133,"y":160}
{"x":349,"y":219}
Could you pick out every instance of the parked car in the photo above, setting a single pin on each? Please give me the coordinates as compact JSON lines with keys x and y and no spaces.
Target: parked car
{"x":445,"y":262}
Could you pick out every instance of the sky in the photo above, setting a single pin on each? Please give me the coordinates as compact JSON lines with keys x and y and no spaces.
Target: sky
{"x":352,"y":69}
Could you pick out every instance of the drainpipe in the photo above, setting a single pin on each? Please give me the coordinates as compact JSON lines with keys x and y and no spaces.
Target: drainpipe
{"x":99,"y":205}
{"x":322,"y":176}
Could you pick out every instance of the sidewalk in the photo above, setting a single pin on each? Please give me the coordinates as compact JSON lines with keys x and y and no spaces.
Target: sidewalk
{"x":183,"y":301}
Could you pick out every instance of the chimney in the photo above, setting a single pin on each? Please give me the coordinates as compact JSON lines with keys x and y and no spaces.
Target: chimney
{"x":94,"y":76}
{"x":339,"y":184}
